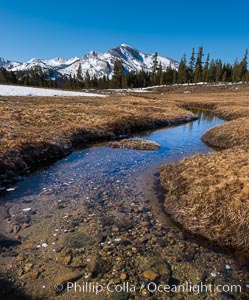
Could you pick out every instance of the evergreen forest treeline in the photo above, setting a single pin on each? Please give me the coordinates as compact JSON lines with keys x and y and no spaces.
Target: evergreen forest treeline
{"x":199,"y":68}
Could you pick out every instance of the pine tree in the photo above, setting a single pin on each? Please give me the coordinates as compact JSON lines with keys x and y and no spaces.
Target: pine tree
{"x":87,"y":80}
{"x":198,"y":66}
{"x":218,"y":70}
{"x":191,"y":66}
{"x":155,"y":63}
{"x":169,"y":75}
{"x":160,"y":74}
{"x":154,"y":68}
{"x":226,"y":73}
{"x":3,"y":75}
{"x":118,"y":71}
{"x":236,"y":71}
{"x":243,"y":67}
{"x":182,"y":70}
{"x":212,"y":71}
{"x":205,"y":70}
{"x":79,"y":72}
{"x":124,"y":81}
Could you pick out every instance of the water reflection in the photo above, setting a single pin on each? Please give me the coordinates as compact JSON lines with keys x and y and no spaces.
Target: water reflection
{"x":206,"y":115}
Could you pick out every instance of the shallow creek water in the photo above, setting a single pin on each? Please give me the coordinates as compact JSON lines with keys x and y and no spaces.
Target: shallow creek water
{"x":99,"y":212}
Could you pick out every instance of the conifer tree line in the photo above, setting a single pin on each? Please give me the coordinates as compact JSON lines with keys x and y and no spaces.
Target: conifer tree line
{"x":198,"y":68}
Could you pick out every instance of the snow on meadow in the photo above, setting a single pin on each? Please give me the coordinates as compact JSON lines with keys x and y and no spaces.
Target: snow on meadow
{"x":12,"y":90}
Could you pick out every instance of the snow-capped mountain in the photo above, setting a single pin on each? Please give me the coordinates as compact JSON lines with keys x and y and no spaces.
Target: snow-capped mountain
{"x":55,"y":63}
{"x":96,"y":64}
{"x":8,"y":64}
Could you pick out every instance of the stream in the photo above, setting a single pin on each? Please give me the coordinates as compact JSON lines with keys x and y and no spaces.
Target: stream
{"x":99,"y":211}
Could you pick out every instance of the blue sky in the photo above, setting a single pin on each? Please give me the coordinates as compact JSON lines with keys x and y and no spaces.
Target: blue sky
{"x":48,"y":29}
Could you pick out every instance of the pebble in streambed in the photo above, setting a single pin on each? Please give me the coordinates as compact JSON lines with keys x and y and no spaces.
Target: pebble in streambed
{"x":129,"y":242}
{"x":127,"y":233}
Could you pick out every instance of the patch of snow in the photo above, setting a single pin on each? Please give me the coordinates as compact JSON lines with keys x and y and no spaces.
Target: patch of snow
{"x":12,"y":90}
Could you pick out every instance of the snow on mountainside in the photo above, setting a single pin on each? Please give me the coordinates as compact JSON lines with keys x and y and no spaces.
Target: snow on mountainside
{"x":96,"y":64}
{"x":51,"y":64}
{"x":8,"y":64}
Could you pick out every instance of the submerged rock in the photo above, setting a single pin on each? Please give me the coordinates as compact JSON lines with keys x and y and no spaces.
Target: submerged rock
{"x":150,"y":275}
{"x":32,"y":275}
{"x":96,"y":266}
{"x":153,"y":268}
{"x":78,"y":240}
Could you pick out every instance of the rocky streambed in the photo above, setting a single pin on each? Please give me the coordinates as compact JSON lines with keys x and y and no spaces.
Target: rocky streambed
{"x":95,"y":218}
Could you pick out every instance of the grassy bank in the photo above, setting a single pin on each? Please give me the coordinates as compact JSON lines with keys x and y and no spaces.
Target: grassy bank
{"x":231,"y":134}
{"x":34,"y":131}
{"x":209,"y":194}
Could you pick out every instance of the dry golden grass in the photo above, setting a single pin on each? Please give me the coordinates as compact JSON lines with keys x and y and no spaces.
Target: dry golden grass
{"x":232,"y":111}
{"x":227,"y":103}
{"x":208,"y":195}
{"x":135,"y":144}
{"x":231,"y":134}
{"x":31,"y":120}
{"x":36,"y":129}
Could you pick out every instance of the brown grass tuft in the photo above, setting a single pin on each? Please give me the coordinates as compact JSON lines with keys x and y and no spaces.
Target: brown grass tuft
{"x":209,"y":195}
{"x":232,"y":111}
{"x":135,"y":144}
{"x":231,"y":134}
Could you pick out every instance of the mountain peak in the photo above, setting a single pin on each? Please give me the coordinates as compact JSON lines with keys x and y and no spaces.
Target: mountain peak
{"x":34,"y":60}
{"x":92,"y":53}
{"x":58,"y":59}
{"x":5,"y":63}
{"x":94,"y":63}
{"x":125,"y":46}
